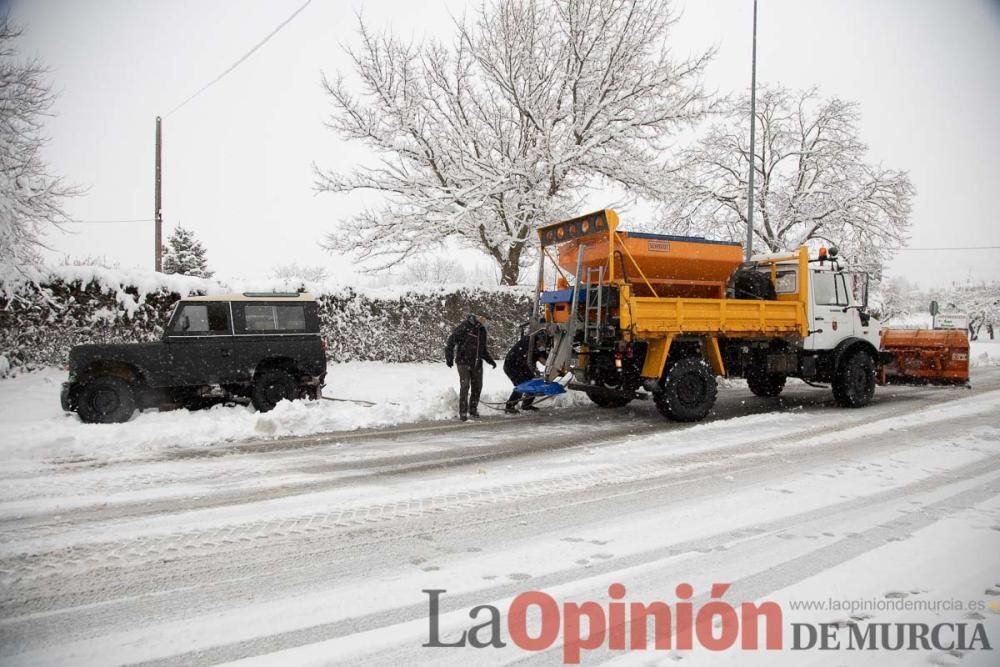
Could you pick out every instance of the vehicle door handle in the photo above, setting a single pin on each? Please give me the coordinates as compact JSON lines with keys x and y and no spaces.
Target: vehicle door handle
{"x":819,"y":318}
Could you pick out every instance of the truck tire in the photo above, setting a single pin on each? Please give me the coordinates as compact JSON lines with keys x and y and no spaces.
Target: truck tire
{"x":271,"y":387}
{"x":606,"y":400}
{"x":765,"y":384}
{"x":689,"y":391}
{"x":854,"y":383}
{"x":105,"y":400}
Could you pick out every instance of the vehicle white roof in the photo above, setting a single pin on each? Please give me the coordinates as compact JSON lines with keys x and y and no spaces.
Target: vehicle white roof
{"x":255,"y":296}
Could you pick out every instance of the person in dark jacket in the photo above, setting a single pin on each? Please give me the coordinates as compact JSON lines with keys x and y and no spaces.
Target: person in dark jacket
{"x":467,"y":349}
{"x":519,"y":369}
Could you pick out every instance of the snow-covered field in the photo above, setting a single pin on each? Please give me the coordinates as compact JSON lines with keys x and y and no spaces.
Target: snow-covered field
{"x":35,"y":427}
{"x":984,"y":353}
{"x":318,"y":549}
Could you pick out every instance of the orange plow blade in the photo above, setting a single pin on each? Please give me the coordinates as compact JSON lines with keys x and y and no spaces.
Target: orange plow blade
{"x":925,"y":356}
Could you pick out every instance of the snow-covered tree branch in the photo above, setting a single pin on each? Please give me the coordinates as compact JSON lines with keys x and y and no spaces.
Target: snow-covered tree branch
{"x":30,"y":197}
{"x":503,"y":129}
{"x":811,"y":180}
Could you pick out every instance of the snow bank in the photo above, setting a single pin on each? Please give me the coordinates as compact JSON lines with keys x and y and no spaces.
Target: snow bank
{"x":36,"y":429}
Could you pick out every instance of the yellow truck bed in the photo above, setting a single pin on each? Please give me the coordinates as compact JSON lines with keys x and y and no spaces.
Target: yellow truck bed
{"x":726,"y":317}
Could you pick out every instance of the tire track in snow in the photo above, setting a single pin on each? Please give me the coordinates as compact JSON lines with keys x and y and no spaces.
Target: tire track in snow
{"x":759,"y":584}
{"x":334,"y":474}
{"x":36,"y":557}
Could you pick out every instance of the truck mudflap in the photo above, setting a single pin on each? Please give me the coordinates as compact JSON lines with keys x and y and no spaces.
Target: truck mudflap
{"x":924,"y":356}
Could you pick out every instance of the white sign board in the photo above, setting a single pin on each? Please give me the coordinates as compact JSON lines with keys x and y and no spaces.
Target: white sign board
{"x":951,"y":320}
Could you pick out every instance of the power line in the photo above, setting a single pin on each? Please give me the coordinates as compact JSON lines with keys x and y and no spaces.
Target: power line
{"x":241,"y":60}
{"x":974,"y":247}
{"x":103,"y":222}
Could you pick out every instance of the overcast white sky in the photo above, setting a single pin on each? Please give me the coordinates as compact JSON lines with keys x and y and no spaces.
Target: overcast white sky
{"x":238,"y":159}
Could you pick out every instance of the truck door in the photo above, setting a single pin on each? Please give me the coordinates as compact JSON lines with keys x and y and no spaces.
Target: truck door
{"x":828,"y":322}
{"x":200,"y":342}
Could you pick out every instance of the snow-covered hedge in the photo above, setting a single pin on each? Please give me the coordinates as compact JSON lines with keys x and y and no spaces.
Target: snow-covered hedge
{"x":414,"y":325}
{"x":44,"y":315}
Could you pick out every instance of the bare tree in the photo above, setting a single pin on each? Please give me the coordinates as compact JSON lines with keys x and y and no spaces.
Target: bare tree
{"x":437,"y":269}
{"x":505,"y":128}
{"x":811,"y":180}
{"x":892,"y":298}
{"x":30,"y":197}
{"x":313,"y":273}
{"x":980,"y":301}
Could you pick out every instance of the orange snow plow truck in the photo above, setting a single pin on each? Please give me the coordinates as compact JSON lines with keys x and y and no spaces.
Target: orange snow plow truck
{"x":635,"y":315}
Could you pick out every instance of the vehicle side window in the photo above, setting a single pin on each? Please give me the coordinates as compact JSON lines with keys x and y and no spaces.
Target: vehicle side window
{"x":201,"y":319}
{"x":786,"y":281}
{"x":829,"y":289}
{"x":274,"y":317}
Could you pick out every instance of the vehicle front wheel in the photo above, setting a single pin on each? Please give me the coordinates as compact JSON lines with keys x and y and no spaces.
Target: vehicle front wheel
{"x":766,"y":384}
{"x":271,"y":387}
{"x":854,"y":384}
{"x":689,"y":391}
{"x":106,"y":400}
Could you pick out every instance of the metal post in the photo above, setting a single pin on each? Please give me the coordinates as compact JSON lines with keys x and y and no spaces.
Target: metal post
{"x":753,"y":134}
{"x":562,"y":342}
{"x":536,"y":314}
{"x":158,"y":203}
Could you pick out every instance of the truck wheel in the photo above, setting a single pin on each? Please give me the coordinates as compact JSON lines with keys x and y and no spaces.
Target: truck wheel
{"x":606,"y":400}
{"x":854,"y":384}
{"x":271,"y":387}
{"x":766,"y":384}
{"x":106,"y":400}
{"x":689,"y":391}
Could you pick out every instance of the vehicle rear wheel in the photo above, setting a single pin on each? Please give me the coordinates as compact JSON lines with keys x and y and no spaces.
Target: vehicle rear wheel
{"x":271,"y":387}
{"x":766,"y":384}
{"x":854,"y":384}
{"x":310,"y":392}
{"x":607,"y":399}
{"x":106,"y":400}
{"x":689,"y":391}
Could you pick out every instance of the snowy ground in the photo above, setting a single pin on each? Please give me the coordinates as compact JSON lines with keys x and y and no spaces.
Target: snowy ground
{"x":36,"y":428}
{"x":165,"y":545}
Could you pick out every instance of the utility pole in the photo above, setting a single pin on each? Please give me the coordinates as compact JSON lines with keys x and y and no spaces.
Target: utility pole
{"x":157,"y":201}
{"x":753,"y":133}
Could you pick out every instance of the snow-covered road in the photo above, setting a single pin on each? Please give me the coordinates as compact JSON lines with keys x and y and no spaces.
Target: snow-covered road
{"x":318,"y":548}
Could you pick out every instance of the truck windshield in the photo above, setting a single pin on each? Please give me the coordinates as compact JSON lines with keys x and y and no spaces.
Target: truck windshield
{"x":829,"y":289}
